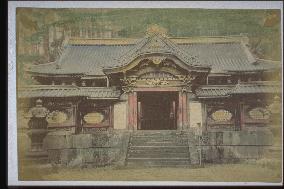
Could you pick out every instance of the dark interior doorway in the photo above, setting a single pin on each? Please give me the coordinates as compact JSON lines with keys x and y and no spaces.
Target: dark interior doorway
{"x":157,"y":110}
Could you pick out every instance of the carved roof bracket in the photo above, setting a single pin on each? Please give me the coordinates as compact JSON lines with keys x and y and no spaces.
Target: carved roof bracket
{"x":186,"y":79}
{"x":186,"y":89}
{"x":127,"y":89}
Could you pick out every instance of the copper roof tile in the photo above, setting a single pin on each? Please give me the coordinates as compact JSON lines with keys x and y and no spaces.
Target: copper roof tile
{"x":92,"y":59}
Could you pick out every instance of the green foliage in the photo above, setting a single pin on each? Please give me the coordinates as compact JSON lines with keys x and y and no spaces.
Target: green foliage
{"x":178,"y":22}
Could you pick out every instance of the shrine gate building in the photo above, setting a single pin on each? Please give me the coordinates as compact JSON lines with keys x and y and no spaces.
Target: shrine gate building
{"x":156,"y":83}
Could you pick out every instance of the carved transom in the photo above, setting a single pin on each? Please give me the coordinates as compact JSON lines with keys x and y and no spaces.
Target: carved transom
{"x":158,"y":75}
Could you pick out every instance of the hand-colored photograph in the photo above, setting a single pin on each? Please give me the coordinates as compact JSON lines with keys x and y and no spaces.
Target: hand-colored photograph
{"x":141,"y":94}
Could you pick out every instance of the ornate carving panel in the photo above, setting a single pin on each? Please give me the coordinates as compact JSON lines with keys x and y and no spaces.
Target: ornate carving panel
{"x":156,"y":71}
{"x":158,"y":75}
{"x":256,"y":114}
{"x":156,"y":82}
{"x":221,"y":115}
{"x":56,"y":117}
{"x":93,"y":118}
{"x":98,"y":115}
{"x":61,"y":116}
{"x":259,"y":113}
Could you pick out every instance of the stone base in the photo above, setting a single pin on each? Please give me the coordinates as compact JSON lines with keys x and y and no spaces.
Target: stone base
{"x":107,"y":148}
{"x":97,"y":149}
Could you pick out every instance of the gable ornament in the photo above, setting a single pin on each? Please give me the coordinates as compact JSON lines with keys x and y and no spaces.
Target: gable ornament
{"x":157,"y":60}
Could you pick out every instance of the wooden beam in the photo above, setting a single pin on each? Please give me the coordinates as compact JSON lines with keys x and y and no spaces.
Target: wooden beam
{"x":156,"y":89}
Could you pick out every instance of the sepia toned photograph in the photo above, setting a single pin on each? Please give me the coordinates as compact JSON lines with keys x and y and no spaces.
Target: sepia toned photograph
{"x":149,"y":94}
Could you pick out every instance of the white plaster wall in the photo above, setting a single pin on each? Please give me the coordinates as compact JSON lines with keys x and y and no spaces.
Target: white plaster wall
{"x":119,"y":115}
{"x":195,"y":114}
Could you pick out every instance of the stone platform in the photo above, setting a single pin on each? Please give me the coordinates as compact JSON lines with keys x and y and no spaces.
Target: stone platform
{"x":154,"y":148}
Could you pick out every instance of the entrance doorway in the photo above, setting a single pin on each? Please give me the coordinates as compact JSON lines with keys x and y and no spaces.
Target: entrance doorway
{"x":157,"y":110}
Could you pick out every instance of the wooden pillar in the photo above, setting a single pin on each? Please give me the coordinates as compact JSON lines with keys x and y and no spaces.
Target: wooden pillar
{"x":184,"y":110}
{"x":111,"y":115}
{"x":78,"y":118}
{"x":139,"y":115}
{"x":204,"y":116}
{"x":132,"y":110}
{"x":180,"y":112}
{"x":135,"y":110}
{"x":242,"y":115}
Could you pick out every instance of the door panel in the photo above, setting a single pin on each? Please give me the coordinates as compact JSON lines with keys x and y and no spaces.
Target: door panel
{"x":157,"y":111}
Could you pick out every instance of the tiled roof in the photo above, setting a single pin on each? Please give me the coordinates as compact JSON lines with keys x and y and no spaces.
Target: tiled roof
{"x":257,"y":87}
{"x":217,"y":91}
{"x":259,"y":65}
{"x":214,"y":91}
{"x":92,"y":59}
{"x":156,"y":44}
{"x":98,"y":93}
{"x":68,"y":91}
{"x":84,"y":59}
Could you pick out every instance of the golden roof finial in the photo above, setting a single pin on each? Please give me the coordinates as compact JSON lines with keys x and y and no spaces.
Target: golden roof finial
{"x":156,"y":29}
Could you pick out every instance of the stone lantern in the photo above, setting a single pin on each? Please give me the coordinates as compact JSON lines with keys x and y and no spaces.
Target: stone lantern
{"x":275,"y":110}
{"x":275,"y":107}
{"x":37,"y":130}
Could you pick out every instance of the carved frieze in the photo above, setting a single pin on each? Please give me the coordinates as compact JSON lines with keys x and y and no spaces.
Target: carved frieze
{"x":157,"y":75}
{"x":156,"y":82}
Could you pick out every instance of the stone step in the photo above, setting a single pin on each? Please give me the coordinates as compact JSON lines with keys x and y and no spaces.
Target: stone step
{"x":160,"y":165}
{"x":158,"y":138}
{"x":167,"y":162}
{"x":157,"y":134}
{"x":159,"y":149}
{"x":150,"y":143}
{"x":158,"y":155}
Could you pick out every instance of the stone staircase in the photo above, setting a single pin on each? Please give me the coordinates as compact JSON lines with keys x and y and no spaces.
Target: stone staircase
{"x":163,"y":148}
